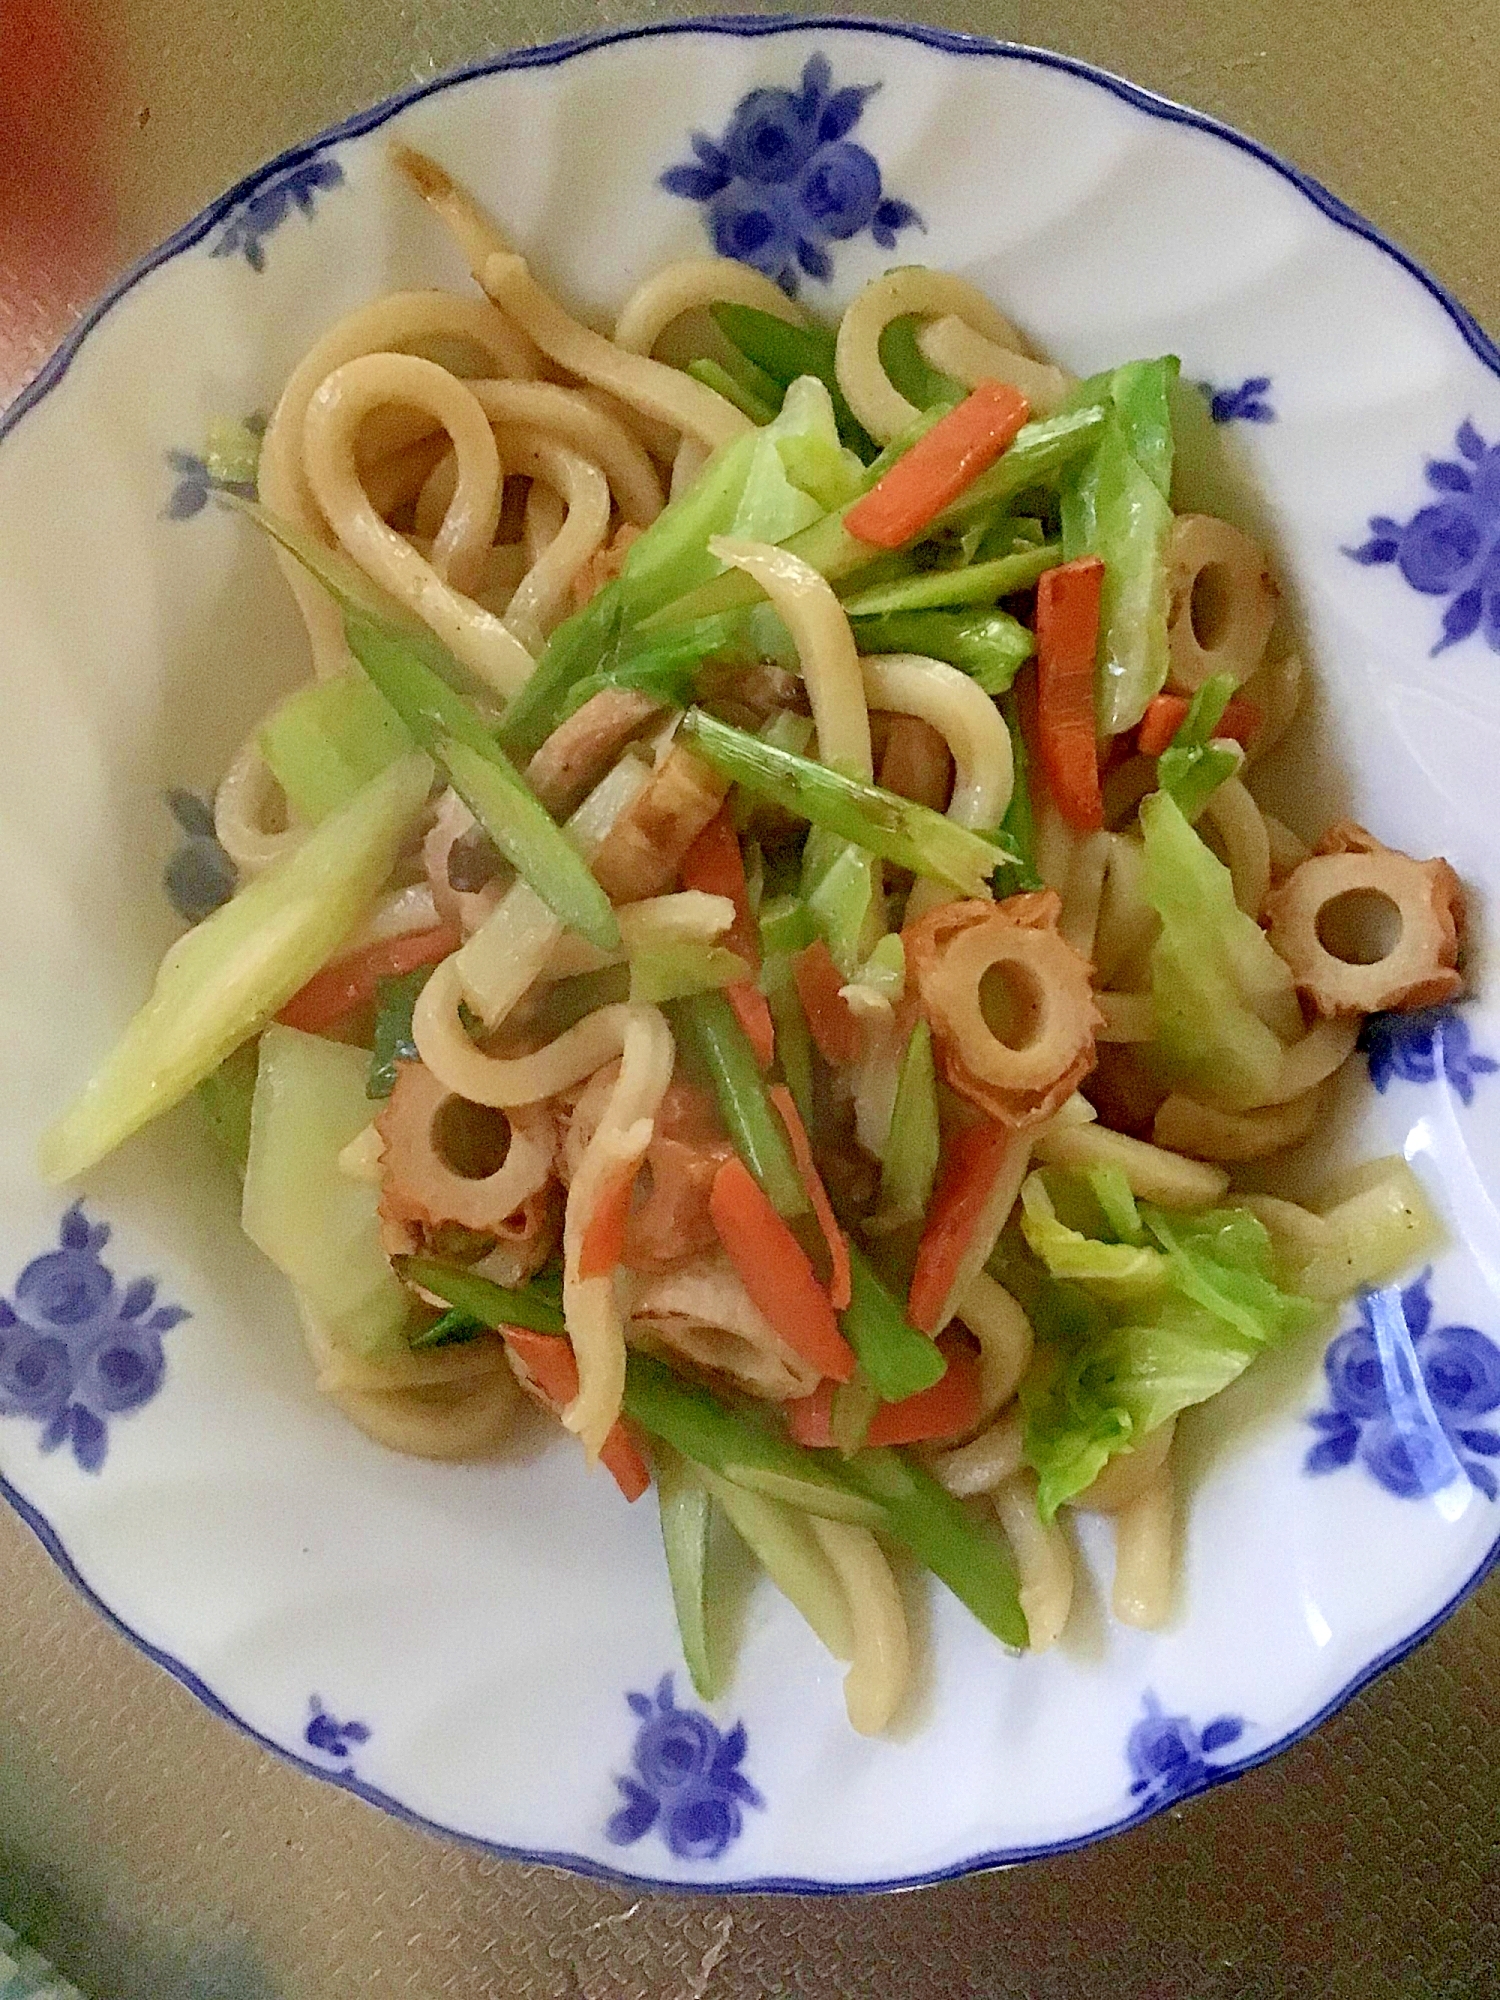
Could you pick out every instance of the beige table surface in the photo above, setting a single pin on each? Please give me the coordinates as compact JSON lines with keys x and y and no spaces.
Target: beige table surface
{"x":157,"y":1854}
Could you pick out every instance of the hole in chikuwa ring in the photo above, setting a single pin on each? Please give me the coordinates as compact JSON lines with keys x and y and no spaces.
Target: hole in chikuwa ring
{"x":1011,"y":1001}
{"x":472,"y":1140}
{"x":1361,"y":927}
{"x":1211,"y":604}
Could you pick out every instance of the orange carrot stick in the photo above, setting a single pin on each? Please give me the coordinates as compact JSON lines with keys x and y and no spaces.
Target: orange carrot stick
{"x":776,"y":1271}
{"x":1240,"y":721}
{"x":548,"y":1365}
{"x":938,"y":467}
{"x":341,"y":987}
{"x":976,"y":1164}
{"x":809,"y":1419}
{"x":841,"y":1280}
{"x":1067,"y":637}
{"x":829,"y":1015}
{"x":946,"y":1410}
{"x":603,"y":1242}
{"x":715,"y":864}
{"x":1165,"y":715}
{"x":753,"y":1012}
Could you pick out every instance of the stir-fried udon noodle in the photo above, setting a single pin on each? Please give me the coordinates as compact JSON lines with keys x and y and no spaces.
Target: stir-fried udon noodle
{"x":761,"y":936}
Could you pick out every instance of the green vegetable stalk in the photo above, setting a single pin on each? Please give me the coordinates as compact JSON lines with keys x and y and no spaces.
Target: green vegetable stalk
{"x":911,"y":372}
{"x":714,"y":375}
{"x":910,"y":1164}
{"x":670,"y":560}
{"x":226,"y":1095}
{"x":783,"y":352}
{"x":1019,"y":824}
{"x":1193,"y":766}
{"x":686,"y":1508}
{"x":782,"y":1541}
{"x":708,"y":1027}
{"x":794,"y":1044}
{"x":895,"y":1358}
{"x":898,"y":830}
{"x":874,"y":1489}
{"x":1115,"y":507}
{"x":392,"y":1041}
{"x":979,"y":583}
{"x":493,"y":1305}
{"x":406,"y":666}
{"x":689,"y":1419}
{"x":989,"y":645}
{"x":327,"y":740}
{"x":224,"y":981}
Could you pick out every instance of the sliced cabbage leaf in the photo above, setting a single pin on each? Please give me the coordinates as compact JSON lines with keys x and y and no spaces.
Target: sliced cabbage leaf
{"x":1224,"y":999}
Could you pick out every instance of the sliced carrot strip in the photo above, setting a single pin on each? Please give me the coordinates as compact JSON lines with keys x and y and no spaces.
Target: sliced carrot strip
{"x":975,"y":1161}
{"x":603,"y":1242}
{"x":715,"y":864}
{"x":1240,"y":721}
{"x":829,"y":1015}
{"x":946,"y":1410}
{"x":809,"y":1419}
{"x":346,"y":984}
{"x":548,"y":1361}
{"x":938,"y":467}
{"x":753,"y":1013}
{"x":1067,"y":638}
{"x":776,"y":1271}
{"x":841,"y":1280}
{"x":550,"y":1367}
{"x":1165,"y":715}
{"x":625,"y":1462}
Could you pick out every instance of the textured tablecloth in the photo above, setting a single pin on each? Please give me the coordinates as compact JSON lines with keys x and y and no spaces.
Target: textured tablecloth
{"x":153,"y":1853}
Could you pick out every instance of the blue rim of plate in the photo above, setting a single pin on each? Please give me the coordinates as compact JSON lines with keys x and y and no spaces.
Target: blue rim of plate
{"x":547,"y":56}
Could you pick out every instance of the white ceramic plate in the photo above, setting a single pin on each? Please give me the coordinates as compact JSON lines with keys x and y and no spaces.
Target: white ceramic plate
{"x":483,"y":1648}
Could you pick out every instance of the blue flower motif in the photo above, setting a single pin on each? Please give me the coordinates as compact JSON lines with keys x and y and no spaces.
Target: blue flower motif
{"x":1421,"y":1047}
{"x":688,"y":1784}
{"x":1452,"y":548}
{"x":786,"y":179}
{"x":76,"y":1350}
{"x":1245,"y":405}
{"x":270,"y":205}
{"x":200,"y":875}
{"x":332,"y":1738}
{"x":1408,"y":1398}
{"x":1168,"y":1758}
{"x":194,"y":478}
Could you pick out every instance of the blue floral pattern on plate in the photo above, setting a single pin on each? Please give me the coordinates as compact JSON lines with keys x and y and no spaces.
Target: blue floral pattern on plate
{"x":331,"y":1738}
{"x":1419,"y":1048}
{"x":1452,"y":547}
{"x":1168,"y":1758}
{"x":687,"y":1782}
{"x":75,"y":1348}
{"x":200,"y":875}
{"x":1408,"y":1397}
{"x":193,"y":482}
{"x":1245,"y":405}
{"x":786,"y":180}
{"x":264,"y":211}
